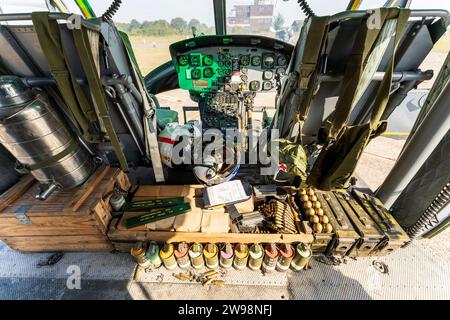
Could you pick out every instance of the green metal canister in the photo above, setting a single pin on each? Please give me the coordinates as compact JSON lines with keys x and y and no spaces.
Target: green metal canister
{"x":182,"y":255}
{"x":211,"y":253}
{"x":270,"y":259}
{"x":226,"y":256}
{"x":285,"y":257}
{"x":303,"y":254}
{"x":196,"y":255}
{"x":256,"y":257}
{"x":152,"y":255}
{"x":240,"y":256}
{"x":167,"y":254}
{"x":138,"y":252}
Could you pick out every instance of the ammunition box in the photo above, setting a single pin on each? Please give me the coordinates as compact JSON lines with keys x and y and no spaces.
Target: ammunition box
{"x":395,"y":236}
{"x":321,"y":242}
{"x":345,"y":236}
{"x":370,"y":234}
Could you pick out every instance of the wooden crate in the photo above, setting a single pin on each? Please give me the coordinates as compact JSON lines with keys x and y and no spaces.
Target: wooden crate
{"x":123,"y":239}
{"x":75,"y":220}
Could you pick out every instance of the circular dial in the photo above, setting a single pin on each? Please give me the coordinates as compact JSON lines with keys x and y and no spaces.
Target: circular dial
{"x":256,"y":61}
{"x":267,"y":85}
{"x":281,"y":71}
{"x":208,"y":73}
{"x":183,"y":60}
{"x":255,"y":85}
{"x":207,"y":60}
{"x":196,"y":74}
{"x":268,"y":61}
{"x":195,"y":60}
{"x":267,"y":75}
{"x":245,"y":60}
{"x":281,"y":61}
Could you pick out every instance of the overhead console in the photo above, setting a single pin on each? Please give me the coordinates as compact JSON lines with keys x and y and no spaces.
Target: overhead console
{"x":230,"y":63}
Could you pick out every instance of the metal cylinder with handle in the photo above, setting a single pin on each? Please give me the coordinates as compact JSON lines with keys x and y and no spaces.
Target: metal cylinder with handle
{"x":36,"y":135}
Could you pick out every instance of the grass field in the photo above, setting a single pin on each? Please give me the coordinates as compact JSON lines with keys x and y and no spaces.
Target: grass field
{"x":443,"y":45}
{"x":151,"y":58}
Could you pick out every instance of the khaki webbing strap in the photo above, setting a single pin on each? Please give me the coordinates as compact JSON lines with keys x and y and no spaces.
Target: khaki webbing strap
{"x":362,"y":47}
{"x":24,"y":169}
{"x":83,"y":46}
{"x":311,"y":54}
{"x":49,"y":36}
{"x":309,"y":65}
{"x":384,"y":90}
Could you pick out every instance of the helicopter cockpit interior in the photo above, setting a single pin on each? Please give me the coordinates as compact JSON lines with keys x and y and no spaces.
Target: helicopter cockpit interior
{"x":73,"y":99}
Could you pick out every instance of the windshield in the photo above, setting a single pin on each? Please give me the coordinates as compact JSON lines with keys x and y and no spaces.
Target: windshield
{"x":282,"y":19}
{"x":153,"y":25}
{"x":275,"y":18}
{"x":25,"y":6}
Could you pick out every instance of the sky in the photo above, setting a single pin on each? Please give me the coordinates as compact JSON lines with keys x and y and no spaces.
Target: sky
{"x":203,"y":9}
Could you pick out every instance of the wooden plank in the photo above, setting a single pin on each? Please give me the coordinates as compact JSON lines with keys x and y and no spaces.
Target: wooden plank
{"x":41,"y":226}
{"x":57,"y":204}
{"x":123,"y":246}
{"x":166,"y":236}
{"x":16,"y":191}
{"x":80,"y":243}
{"x":122,"y":181}
{"x":87,"y":189}
{"x":42,"y":210}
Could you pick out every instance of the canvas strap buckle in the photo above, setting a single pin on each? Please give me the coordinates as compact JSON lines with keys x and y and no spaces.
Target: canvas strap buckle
{"x":306,"y":72}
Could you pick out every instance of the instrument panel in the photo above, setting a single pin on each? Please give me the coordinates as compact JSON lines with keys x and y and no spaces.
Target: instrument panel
{"x":229,"y":68}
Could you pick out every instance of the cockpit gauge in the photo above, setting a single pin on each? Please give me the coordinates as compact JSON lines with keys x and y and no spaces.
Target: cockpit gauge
{"x":183,"y":60}
{"x":195,"y":60}
{"x":267,"y":75}
{"x":268,"y":61}
{"x":255,"y":85}
{"x":208,"y":60}
{"x":208,"y":73}
{"x":196,"y":74}
{"x":245,"y":60}
{"x":256,"y":61}
{"x":267,"y":85}
{"x":281,"y":61}
{"x":281,"y":71}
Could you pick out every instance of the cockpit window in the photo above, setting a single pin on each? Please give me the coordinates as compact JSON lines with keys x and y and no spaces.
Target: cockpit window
{"x":281,"y":19}
{"x":27,"y":6}
{"x":153,"y":25}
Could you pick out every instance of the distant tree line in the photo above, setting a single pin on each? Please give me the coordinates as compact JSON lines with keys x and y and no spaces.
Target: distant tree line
{"x":164,"y":28}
